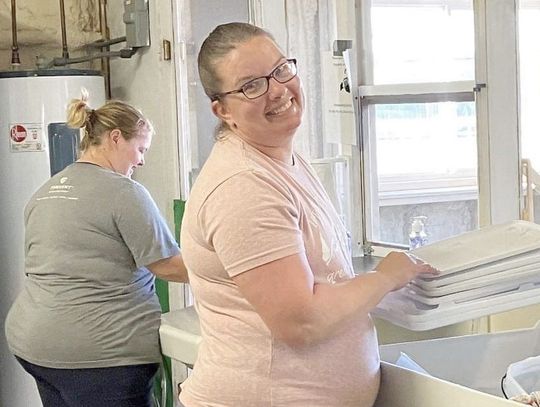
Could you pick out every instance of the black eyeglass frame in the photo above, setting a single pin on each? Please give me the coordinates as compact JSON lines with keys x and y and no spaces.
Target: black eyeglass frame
{"x":218,"y":96}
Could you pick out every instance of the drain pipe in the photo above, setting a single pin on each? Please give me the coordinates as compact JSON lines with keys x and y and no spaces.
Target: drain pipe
{"x":15,"y":60}
{"x":65,"y":53}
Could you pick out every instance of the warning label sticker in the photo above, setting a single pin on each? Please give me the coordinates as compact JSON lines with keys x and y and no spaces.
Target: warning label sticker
{"x":26,"y":137}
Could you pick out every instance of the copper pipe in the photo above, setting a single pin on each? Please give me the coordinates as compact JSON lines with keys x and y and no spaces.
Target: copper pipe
{"x":65,"y":53}
{"x":105,"y":35}
{"x":15,"y":60}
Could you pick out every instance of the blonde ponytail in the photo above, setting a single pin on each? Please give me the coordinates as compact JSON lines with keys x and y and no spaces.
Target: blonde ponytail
{"x":112,"y":115}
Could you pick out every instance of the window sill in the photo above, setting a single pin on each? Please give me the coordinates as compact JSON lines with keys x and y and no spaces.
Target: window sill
{"x":432,"y":195}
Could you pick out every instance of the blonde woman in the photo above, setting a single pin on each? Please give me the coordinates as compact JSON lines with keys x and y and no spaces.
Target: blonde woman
{"x":85,"y":325}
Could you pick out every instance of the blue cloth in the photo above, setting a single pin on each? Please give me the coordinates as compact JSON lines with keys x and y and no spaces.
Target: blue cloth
{"x":120,"y":386}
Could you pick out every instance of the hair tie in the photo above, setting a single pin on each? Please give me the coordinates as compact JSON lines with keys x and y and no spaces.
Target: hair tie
{"x":90,"y":111}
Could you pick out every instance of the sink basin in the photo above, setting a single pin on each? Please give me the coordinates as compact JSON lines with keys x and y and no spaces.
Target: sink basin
{"x":180,"y":338}
{"x":180,"y":335}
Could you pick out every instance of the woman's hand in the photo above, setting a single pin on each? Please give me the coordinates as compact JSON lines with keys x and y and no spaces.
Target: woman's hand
{"x":401,"y":267}
{"x":298,"y":311}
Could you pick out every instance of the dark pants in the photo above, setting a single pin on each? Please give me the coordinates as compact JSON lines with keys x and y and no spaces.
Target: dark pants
{"x":122,"y":386}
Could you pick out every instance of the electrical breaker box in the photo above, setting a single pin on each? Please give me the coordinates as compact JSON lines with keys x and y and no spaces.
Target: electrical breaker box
{"x":137,"y":23}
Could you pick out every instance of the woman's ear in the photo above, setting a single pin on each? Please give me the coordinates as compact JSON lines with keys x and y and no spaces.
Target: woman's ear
{"x":221,"y":110}
{"x":115,"y":135}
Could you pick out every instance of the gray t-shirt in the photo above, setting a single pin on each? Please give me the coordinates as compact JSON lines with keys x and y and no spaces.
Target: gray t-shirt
{"x":88,"y":300}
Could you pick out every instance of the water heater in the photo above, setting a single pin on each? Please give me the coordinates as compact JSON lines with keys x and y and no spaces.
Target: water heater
{"x":35,"y":143}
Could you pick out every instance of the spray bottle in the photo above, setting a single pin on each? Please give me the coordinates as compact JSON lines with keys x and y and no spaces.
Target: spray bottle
{"x":418,"y":236}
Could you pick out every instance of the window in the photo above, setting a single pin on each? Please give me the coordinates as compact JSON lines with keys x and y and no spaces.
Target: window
{"x":422,"y":41}
{"x":425,"y":147}
{"x":418,"y":118}
{"x":529,"y":58}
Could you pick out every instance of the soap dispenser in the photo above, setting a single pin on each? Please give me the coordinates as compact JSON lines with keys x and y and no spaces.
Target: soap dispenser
{"x":417,"y":236}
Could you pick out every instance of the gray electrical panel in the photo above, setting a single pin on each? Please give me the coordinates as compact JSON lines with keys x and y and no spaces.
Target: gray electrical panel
{"x":137,"y":23}
{"x":63,"y":146}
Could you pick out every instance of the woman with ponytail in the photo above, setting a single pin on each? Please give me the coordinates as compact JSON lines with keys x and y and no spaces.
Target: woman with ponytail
{"x":85,"y":325}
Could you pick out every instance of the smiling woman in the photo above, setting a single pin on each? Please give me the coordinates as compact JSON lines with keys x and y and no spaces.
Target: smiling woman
{"x":284,"y":321}
{"x":265,"y":109}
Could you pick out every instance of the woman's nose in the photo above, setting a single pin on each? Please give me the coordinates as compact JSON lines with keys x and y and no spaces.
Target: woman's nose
{"x":276,"y":89}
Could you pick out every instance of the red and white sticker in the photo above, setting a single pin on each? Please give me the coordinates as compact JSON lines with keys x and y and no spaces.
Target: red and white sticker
{"x":18,"y":133}
{"x":26,"y":137}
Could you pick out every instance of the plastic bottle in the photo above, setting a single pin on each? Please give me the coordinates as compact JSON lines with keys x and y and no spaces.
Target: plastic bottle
{"x":418,"y":236}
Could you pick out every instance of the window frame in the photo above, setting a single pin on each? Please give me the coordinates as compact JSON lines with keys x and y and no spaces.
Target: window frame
{"x":460,"y":187}
{"x":497,"y":133}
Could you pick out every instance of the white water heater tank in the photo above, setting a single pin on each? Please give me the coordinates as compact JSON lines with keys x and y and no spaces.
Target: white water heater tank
{"x":34,"y":144}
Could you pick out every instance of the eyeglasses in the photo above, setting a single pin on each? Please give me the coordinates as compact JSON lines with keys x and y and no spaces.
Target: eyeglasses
{"x":259,"y":86}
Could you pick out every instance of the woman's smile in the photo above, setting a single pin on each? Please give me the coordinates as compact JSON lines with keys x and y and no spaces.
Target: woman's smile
{"x":281,"y":108}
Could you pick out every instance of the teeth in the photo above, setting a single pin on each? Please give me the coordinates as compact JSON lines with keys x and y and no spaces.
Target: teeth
{"x":281,"y":109}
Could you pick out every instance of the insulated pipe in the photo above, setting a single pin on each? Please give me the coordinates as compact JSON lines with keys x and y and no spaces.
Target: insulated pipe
{"x":123,"y":53}
{"x":103,"y":43}
{"x":65,"y":53}
{"x":15,"y":60}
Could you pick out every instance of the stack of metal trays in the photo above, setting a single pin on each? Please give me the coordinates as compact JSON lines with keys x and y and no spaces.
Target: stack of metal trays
{"x":483,"y":272}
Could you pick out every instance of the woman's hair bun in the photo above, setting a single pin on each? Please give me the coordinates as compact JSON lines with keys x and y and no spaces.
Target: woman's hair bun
{"x":79,"y":111}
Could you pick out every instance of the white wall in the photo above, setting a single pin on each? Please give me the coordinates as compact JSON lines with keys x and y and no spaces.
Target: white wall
{"x":148,"y":82}
{"x":203,"y":22}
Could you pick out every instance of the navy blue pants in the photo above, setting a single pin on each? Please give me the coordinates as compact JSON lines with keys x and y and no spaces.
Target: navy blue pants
{"x":122,"y":386}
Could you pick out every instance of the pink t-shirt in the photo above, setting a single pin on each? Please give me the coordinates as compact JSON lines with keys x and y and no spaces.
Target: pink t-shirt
{"x":245,"y":210}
